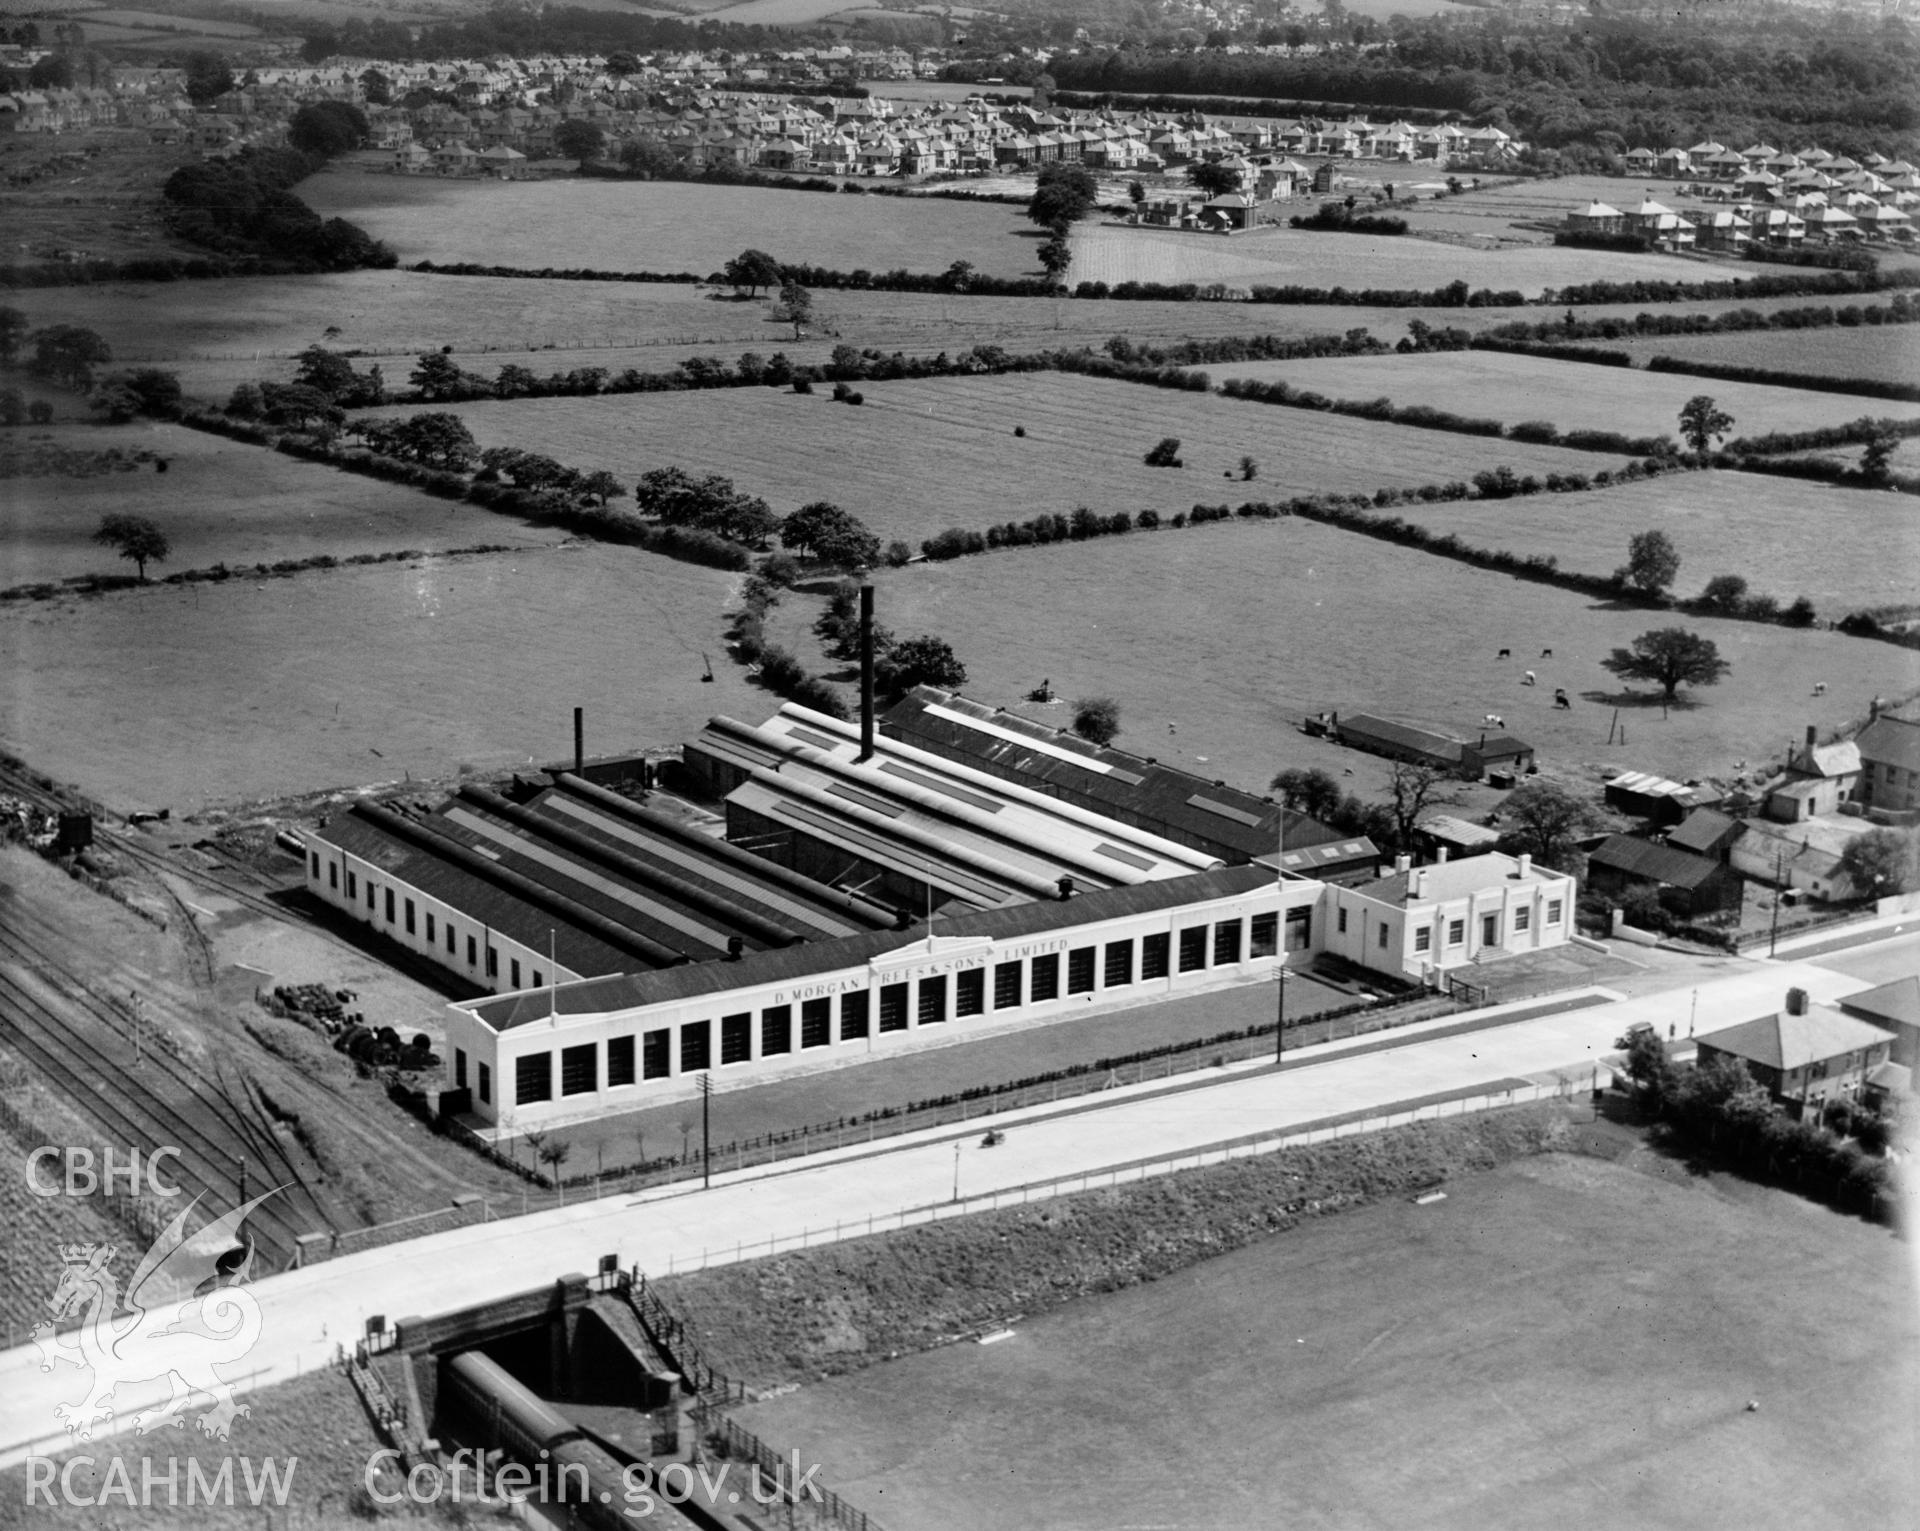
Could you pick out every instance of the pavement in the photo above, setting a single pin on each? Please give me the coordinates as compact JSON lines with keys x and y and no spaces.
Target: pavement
{"x":307,"y":1313}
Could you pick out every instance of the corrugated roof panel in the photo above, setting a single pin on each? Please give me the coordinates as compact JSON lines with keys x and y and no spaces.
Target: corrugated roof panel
{"x":1225,"y":810}
{"x":1043,"y":746}
{"x":933,"y":784}
{"x":1128,"y":857}
{"x":866,"y":800}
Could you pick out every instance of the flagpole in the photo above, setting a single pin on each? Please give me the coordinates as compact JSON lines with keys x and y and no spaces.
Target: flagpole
{"x":1280,"y":942}
{"x":553,"y":981}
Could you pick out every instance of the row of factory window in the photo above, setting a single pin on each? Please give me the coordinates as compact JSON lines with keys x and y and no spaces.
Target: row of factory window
{"x":401,"y":911}
{"x":900,"y":1007}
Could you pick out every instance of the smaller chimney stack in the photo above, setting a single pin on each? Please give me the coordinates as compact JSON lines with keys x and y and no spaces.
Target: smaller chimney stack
{"x":579,"y":739}
{"x":1796,"y":1002}
{"x":1526,"y":865}
{"x":1419,"y":889}
{"x":1402,"y":864}
{"x":1813,"y":738}
{"x":1443,"y":854}
{"x":1066,"y":888}
{"x":736,"y":948}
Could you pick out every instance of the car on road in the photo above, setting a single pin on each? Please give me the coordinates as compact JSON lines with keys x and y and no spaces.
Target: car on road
{"x":1637,"y":1029}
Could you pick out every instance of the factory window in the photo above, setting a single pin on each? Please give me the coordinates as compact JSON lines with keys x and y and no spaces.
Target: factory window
{"x":1226,"y":942}
{"x":970,"y":992}
{"x":1340,"y":923}
{"x":371,"y":891}
{"x":1456,"y":932}
{"x":620,"y":1060}
{"x":493,"y":962}
{"x":1193,"y":948}
{"x":333,"y":874}
{"x":656,"y":1054}
{"x":1119,"y":964}
{"x":853,"y":1015}
{"x":696,"y":1046}
{"x":486,"y":1083}
{"x":1263,"y":935}
{"x":893,"y":1007}
{"x":1383,"y":935}
{"x":1080,"y":970}
{"x":1006,"y":985}
{"x":538,"y":978}
{"x":473,"y":951}
{"x":1046,"y":978}
{"x":1423,"y":939}
{"x":389,"y":906}
{"x":513,"y":968}
{"x":450,"y":939}
{"x":353,"y":890}
{"x":933,"y":1000}
{"x":459,"y":1068}
{"x":409,"y":916}
{"x":533,"y":1079}
{"x":1300,"y":928}
{"x":776,"y":1030}
{"x":580,"y":1069}
{"x":316,"y":863}
{"x":1553,"y":911}
{"x":430,"y":931}
{"x":1522,"y":920}
{"x":736,"y":1037}
{"x":1155,"y":951}
{"x":816,"y":1022}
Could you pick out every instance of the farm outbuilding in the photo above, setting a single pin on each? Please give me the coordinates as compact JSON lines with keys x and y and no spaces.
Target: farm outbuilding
{"x":1641,"y":795}
{"x":1397,"y":741}
{"x":1689,"y":885}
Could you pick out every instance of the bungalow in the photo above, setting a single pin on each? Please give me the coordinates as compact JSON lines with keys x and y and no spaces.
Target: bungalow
{"x":1804,"y":1055}
{"x":1685,"y":884}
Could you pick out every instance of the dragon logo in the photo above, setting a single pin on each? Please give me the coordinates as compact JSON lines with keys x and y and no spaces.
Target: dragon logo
{"x":166,"y":1326}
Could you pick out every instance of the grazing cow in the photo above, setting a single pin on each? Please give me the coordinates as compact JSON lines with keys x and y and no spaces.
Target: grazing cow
{"x":1504,"y":654}
{"x":1819,"y":688}
{"x":1529,"y":679}
{"x":1494,"y":720}
{"x":1546,"y":653}
{"x":1560,"y":699}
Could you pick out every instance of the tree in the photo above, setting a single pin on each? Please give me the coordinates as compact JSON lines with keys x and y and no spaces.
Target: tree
{"x":751,"y":270}
{"x":13,"y":330}
{"x":1670,"y":656}
{"x":330,"y":373}
{"x":1249,"y":469}
{"x":115,"y":401}
{"x":958,"y":277}
{"x":1096,"y":719}
{"x":1652,"y":564}
{"x":208,"y":78}
{"x":437,"y":440}
{"x":1166,"y":454}
{"x":1309,"y":791}
{"x":297,"y":406}
{"x":327,"y":128}
{"x":1055,"y":256}
{"x":1703,"y":422}
{"x":554,"y":1154}
{"x":13,"y":407}
{"x":831,"y":536}
{"x":1136,"y":193}
{"x":922,"y":661}
{"x":67,"y":354}
{"x":622,"y":62}
{"x":135,"y":538}
{"x":794,"y":306}
{"x":648,"y":159}
{"x":377,"y":87}
{"x":1881,"y":863}
{"x":1411,"y":790}
{"x":1724,"y":592}
{"x":579,"y":140}
{"x":437,"y":376}
{"x":602,"y":485}
{"x":1648,"y":1063}
{"x":1544,"y":818}
{"x":1213,"y":177}
{"x":1876,"y":462}
{"x":1063,"y":193}
{"x":245,"y":403}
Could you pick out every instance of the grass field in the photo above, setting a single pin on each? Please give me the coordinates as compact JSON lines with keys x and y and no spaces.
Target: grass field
{"x":1235,"y":633}
{"x":1562,"y":1337}
{"x":1281,"y":257}
{"x":1571,"y":395}
{"x":672,"y":226}
{"x":919,"y":457}
{"x":191,"y":695}
{"x":1527,"y":211}
{"x":1843,"y":549}
{"x":1887,"y":353}
{"x":223,"y":501}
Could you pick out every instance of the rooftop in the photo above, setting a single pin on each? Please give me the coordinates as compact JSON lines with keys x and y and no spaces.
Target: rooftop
{"x":1459,"y":878}
{"x":1784,"y":1040}
{"x":1656,"y":863}
{"x":1897,"y":1003}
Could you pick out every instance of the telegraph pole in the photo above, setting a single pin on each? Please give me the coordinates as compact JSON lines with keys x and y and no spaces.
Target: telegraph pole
{"x":1773,"y":932}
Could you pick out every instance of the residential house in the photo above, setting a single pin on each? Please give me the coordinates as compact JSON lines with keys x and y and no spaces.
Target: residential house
{"x":1804,"y":858}
{"x":1660,"y":224}
{"x":1889,"y":749}
{"x":1817,"y":778}
{"x":1639,"y":161}
{"x":1895,"y":1008}
{"x":1804,"y":1055}
{"x":1419,"y":922}
{"x":1597,"y":218}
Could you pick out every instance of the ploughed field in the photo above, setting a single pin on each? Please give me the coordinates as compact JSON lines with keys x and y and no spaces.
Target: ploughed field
{"x":1234,"y":633}
{"x":220,"y":501}
{"x":1844,"y":549}
{"x":672,"y":226}
{"x":1571,"y":395}
{"x":1558,"y":1335}
{"x":921,"y":456}
{"x":1887,"y":353}
{"x":1282,"y":257}
{"x":187,"y":695}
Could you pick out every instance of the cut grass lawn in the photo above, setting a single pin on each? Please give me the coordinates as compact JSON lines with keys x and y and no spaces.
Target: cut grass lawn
{"x":1572,"y":395}
{"x":223,"y":501}
{"x":1235,"y":633}
{"x":672,"y":225}
{"x":1281,"y":257}
{"x":919,"y":457}
{"x":1843,"y":549}
{"x":1888,"y":353}
{"x":1562,"y":1330}
{"x":191,"y":695}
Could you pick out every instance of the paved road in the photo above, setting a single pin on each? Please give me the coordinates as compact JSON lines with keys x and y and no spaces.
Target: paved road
{"x":307,"y":1312}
